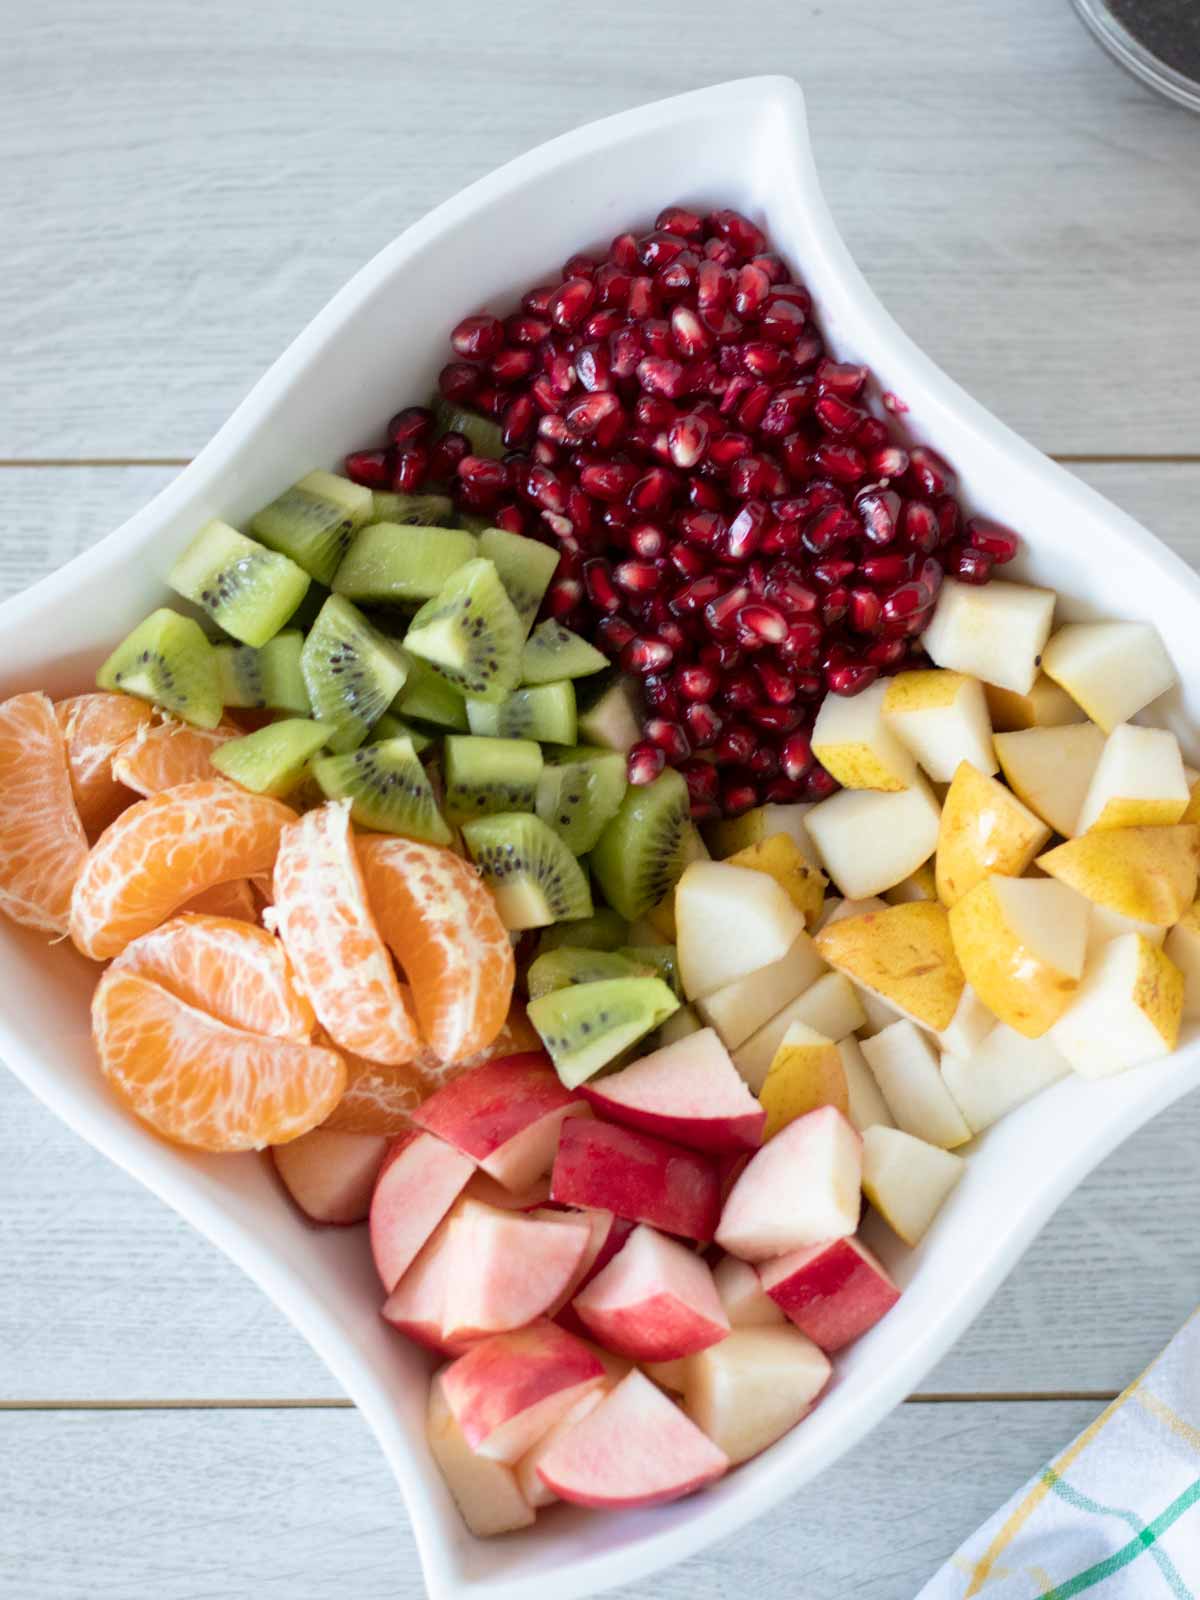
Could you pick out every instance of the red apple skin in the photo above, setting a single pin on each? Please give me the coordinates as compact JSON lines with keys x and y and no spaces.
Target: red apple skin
{"x":506,"y":1270}
{"x":501,"y":1377}
{"x":689,"y":1092}
{"x":655,"y":1301}
{"x":713,"y":1135}
{"x":493,"y":1103}
{"x":419,"y":1181}
{"x":635,"y":1175}
{"x":619,"y":1230}
{"x":833,"y":1292}
{"x":658,"y":1328}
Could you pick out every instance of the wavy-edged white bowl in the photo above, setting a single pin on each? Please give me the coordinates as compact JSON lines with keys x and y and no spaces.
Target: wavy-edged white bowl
{"x":376,"y":346}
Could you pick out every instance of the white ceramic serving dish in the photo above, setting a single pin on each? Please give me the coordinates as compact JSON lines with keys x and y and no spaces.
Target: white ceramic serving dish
{"x":378,"y":346}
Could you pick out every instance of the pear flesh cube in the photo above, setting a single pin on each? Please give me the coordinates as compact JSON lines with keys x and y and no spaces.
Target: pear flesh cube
{"x":1104,"y":925}
{"x":866,"y":1105}
{"x":1128,"y":1010}
{"x":1183,"y":948}
{"x":919,"y":885}
{"x":1112,"y":669}
{"x":737,"y":833}
{"x":907,"y":1180}
{"x":996,"y":633}
{"x":331,"y":1175}
{"x":1003,"y":1072}
{"x":739,"y":1009}
{"x":1138,"y":781}
{"x":837,"y":910}
{"x":855,"y":745}
{"x":801,"y":1188}
{"x":1050,"y":770}
{"x":746,"y":1302}
{"x":905,"y":1066}
{"x":1045,"y":706}
{"x":831,"y":1007}
{"x":486,"y":1492}
{"x":654,"y":1301}
{"x":868,"y":841}
{"x":968,"y":1027}
{"x":984,"y":829}
{"x":903,"y":953}
{"x":752,"y":1388}
{"x":806,"y":1073}
{"x":731,"y":921}
{"x":833,"y":1292}
{"x":1148,"y":874}
{"x":1021,"y":943}
{"x":942,"y":717}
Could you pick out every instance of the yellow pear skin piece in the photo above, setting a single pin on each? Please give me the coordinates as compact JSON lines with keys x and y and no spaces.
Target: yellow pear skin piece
{"x":806,"y":1073}
{"x":1045,"y":706}
{"x":919,"y":885}
{"x":781,"y":858}
{"x":905,"y":953}
{"x":1017,"y":982}
{"x":1192,"y":814}
{"x":1145,"y":873}
{"x":984,"y":829}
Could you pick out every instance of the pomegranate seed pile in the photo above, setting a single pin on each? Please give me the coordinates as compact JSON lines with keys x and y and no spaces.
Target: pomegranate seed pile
{"x":736,"y":527}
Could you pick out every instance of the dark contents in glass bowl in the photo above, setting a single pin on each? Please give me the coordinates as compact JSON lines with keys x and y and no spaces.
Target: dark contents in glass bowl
{"x":1168,"y":29}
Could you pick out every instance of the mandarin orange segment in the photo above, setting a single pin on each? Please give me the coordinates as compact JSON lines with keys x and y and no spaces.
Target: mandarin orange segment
{"x":42,"y":843}
{"x":95,"y":727}
{"x":239,"y":974}
{"x":199,"y":1082}
{"x":234,"y":899}
{"x":326,"y":925}
{"x":169,"y":755}
{"x":162,"y":852}
{"x":441,"y":924}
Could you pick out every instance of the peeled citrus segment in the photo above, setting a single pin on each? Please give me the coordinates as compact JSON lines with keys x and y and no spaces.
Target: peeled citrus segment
{"x":95,"y":727}
{"x":42,"y":843}
{"x":169,"y":755}
{"x":328,"y":930}
{"x":162,"y":852}
{"x":235,"y":899}
{"x":200,"y":1082}
{"x":239,"y":974}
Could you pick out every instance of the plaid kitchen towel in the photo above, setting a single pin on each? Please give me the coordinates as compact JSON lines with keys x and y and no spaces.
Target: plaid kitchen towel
{"x":1116,"y":1516}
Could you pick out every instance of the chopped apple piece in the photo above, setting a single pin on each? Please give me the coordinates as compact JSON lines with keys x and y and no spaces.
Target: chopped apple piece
{"x":1148,"y":874}
{"x":416,"y":1304}
{"x":781,"y":858}
{"x":654,"y":1301}
{"x":731,"y":921}
{"x":919,"y":885}
{"x":869,"y":841}
{"x":856,"y":746}
{"x":905,"y":1066}
{"x":1045,"y":706}
{"x":486,"y":1492}
{"x":592,"y":1264}
{"x":1138,"y":781}
{"x":1021,"y":943}
{"x":1111,"y":669}
{"x":1128,"y":1010}
{"x":800,"y":1188}
{"x":995,"y":633}
{"x":529,"y":1480}
{"x":636,"y":1176}
{"x":746,"y":1302}
{"x":806,"y":1073}
{"x":506,"y":1268}
{"x":831,"y":1006}
{"x":907,"y":1180}
{"x":331,"y":1175}
{"x":867,"y":1107}
{"x":419,"y":1181}
{"x":833,"y":1292}
{"x":599,"y":1226}
{"x":942,"y":717}
{"x":1104,"y":925}
{"x":750,"y":1389}
{"x":689,"y":1091}
{"x":1183,"y":948}
{"x":984,"y":829}
{"x":1000,"y":1074}
{"x":904,"y":954}
{"x":739,"y":1009}
{"x":752,"y":827}
{"x":507,"y":1391}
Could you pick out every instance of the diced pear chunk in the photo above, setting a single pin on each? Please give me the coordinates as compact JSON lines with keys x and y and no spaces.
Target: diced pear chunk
{"x":1050,"y":770}
{"x":907,"y":1180}
{"x":1045,"y":706}
{"x":1112,"y":669}
{"x":1021,"y":943}
{"x":1000,"y":1074}
{"x":854,"y":743}
{"x":1127,"y":1011}
{"x":905,"y":1066}
{"x":942,"y":717}
{"x":996,"y":632}
{"x":869,"y":841}
{"x":1145,"y":873}
{"x":984,"y":829}
{"x":1138,"y":782}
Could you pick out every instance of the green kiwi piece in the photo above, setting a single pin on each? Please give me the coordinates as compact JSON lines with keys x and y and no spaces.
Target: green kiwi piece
{"x":391,"y":562}
{"x":470,"y":633}
{"x":586,"y":1025}
{"x":603,"y":930}
{"x":483,"y":776}
{"x":659,"y":960}
{"x":580,"y":791}
{"x":314,"y":521}
{"x":248,"y":590}
{"x":553,"y":652}
{"x":391,"y":726}
{"x":557,"y":969}
{"x":484,"y":434}
{"x":545,"y":712}
{"x":351,"y":671}
{"x":525,"y":569}
{"x":611,"y":715}
{"x":271,"y":760}
{"x":168,"y":661}
{"x":429,"y":698}
{"x":267,"y":677}
{"x":640,"y":854}
{"x":534,"y":877}
{"x":416,"y":510}
{"x":388,"y":789}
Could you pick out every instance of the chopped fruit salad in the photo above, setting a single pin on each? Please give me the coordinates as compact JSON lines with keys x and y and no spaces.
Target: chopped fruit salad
{"x":597,"y":841}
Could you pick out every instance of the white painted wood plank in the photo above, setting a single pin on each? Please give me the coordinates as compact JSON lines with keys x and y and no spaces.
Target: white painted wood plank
{"x":181,"y":197}
{"x":254,"y":1505}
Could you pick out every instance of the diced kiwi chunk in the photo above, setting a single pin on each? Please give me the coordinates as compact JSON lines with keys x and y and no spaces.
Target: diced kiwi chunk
{"x":659,"y":960}
{"x":168,"y":661}
{"x":417,"y":510}
{"x":391,"y":726}
{"x":271,"y":760}
{"x":545,"y":712}
{"x":557,"y":969}
{"x":578,"y":792}
{"x":588,"y":1024}
{"x":484,"y":434}
{"x":388,"y":789}
{"x":610,"y":716}
{"x":553,"y":652}
{"x":534,"y":877}
{"x":525,"y":569}
{"x":269,"y":677}
{"x":391,"y":562}
{"x":314,"y":521}
{"x":484,"y":776}
{"x":470,"y":633}
{"x":429,"y":698}
{"x":640,"y":854}
{"x":603,"y":930}
{"x":351,"y":671}
{"x":248,"y":590}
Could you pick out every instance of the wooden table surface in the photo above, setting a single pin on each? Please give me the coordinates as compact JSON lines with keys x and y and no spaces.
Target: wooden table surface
{"x":183,"y":186}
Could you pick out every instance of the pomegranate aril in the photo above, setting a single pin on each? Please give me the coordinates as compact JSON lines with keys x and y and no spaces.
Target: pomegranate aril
{"x":661,"y":375}
{"x":831,"y":526}
{"x":410,"y":426}
{"x":777,"y":685}
{"x":785,"y":409}
{"x":676,"y":279}
{"x":659,"y":249}
{"x":720,"y":615}
{"x":586,"y":415}
{"x":837,"y":416}
{"x":949,"y":517}
{"x":843,"y":462}
{"x":641,"y":297}
{"x":654,"y":491}
{"x":819,"y":784}
{"x":879,"y":510}
{"x":793,"y":599}
{"x":477,"y":338}
{"x":740,"y":691}
{"x":697,"y":595}
{"x":764,"y":763}
{"x":784,"y":322}
{"x":888,"y":568}
{"x":886,"y":652}
{"x":695,"y":683}
{"x":624,"y":250}
{"x":887,"y":461}
{"x":670,"y":739}
{"x":679,"y":219}
{"x":638,"y":577}
{"x":647,"y":541}
{"x":919,"y":526}
{"x":763,"y":360}
{"x":597,"y":576}
{"x":656,"y":337}
{"x":689,"y":335}
{"x":842,"y":378}
{"x":832,"y":571}
{"x":764,"y":622}
{"x":450,"y":449}
{"x":579,"y":266}
{"x":795,"y":755}
{"x":688,"y":563}
{"x":720,"y":251}
{"x":537,"y":301}
{"x":729,"y":448}
{"x":802,"y":643}
{"x":563,"y":596}
{"x":757,"y":477}
{"x":608,"y":480}
{"x":738,"y":796}
{"x":526,"y":330}
{"x":904,"y":601}
{"x":571,"y":302}
{"x":929,"y":473}
{"x":518,"y":421}
{"x":687,"y":441}
{"x":593,"y":368}
{"x":409,"y":469}
{"x":851,"y":678}
{"x":644,"y":763}
{"x":970,"y":566}
{"x":612,"y":634}
{"x":994,"y":540}
{"x":807,"y":350}
{"x":776,"y":719}
{"x":702,"y":780}
{"x":602,"y":324}
{"x":753,"y":406}
{"x":751,"y":291}
{"x":873,"y":435}
{"x":740,"y":232}
{"x":459,"y":382}
{"x":642,"y":655}
{"x":735,"y":745}
{"x":546,"y":395}
{"x":931,"y":573}
{"x":371,"y":468}
{"x":744,"y":534}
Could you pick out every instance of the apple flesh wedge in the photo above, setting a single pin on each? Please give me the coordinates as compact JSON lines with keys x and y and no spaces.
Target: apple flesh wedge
{"x":907,"y":1180}
{"x":654,"y":1301}
{"x":752,"y":1388}
{"x":739,"y":1009}
{"x":866,"y":1105}
{"x":781,"y":858}
{"x":599,"y":1226}
{"x":1050,"y":770}
{"x":995,"y":633}
{"x":619,"y":1229}
{"x":1111,"y":669}
{"x":636,"y":1176}
{"x":330,"y":1175}
{"x":1021,"y":943}
{"x":419,"y":1181}
{"x":731,"y":921}
{"x":984,"y":829}
{"x":416,"y":1305}
{"x":635,"y":1449}
{"x":1128,"y":1010}
{"x":1000,"y":1074}
{"x":1183,"y":948}
{"x":832,"y":1007}
{"x":806,"y":1073}
{"x":486,"y":1492}
{"x":868,"y":841}
{"x":942,"y":718}
{"x":508,"y":1391}
{"x":1138,"y":782}
{"x":746,"y":1302}
{"x":1045,"y":706}
{"x":801,"y":1188}
{"x":490,"y":1193}
{"x":833,"y":1292}
{"x":905,"y":1066}
{"x":1145,"y":873}
{"x":505,"y":1269}
{"x":529,"y":1480}
{"x":689,"y":1092}
{"x":904,"y":954}
{"x":855,"y":745}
